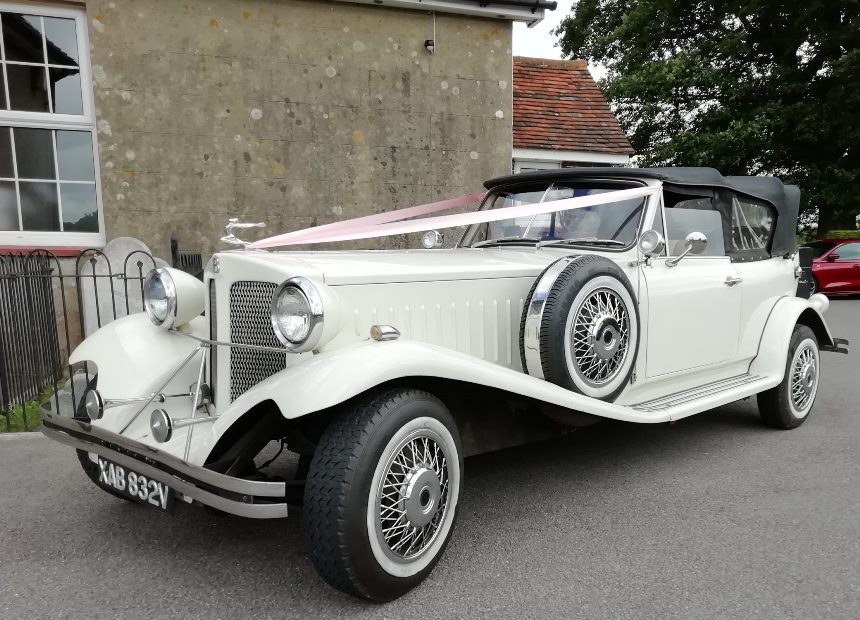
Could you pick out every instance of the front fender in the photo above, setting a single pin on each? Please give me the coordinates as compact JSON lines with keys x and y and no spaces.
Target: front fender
{"x":134,"y":358}
{"x":332,"y":377}
{"x":787,"y":312}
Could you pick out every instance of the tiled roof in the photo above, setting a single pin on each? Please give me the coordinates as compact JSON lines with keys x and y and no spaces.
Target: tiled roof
{"x":558,"y":106}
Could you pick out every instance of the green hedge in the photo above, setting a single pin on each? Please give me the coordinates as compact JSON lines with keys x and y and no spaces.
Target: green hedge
{"x":843,"y":234}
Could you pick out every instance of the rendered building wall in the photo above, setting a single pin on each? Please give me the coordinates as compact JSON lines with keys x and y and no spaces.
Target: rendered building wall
{"x":289,"y":111}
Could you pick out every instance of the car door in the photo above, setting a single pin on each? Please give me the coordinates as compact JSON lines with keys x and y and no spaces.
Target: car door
{"x":839,"y":269}
{"x":694,"y":306}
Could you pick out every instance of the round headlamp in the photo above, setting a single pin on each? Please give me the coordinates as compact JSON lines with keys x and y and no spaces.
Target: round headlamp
{"x":297,"y":314}
{"x":160,"y":425}
{"x":159,"y":298}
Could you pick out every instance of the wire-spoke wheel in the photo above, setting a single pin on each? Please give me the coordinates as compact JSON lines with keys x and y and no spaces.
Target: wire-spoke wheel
{"x":789,"y":404}
{"x":411,"y":501}
{"x":600,"y":335}
{"x":580,"y":327}
{"x":381,"y":496}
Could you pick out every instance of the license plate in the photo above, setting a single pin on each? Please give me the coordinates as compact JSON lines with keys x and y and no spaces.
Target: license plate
{"x":134,"y":485}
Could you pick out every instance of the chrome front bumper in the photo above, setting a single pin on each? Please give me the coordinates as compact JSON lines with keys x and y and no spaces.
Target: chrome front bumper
{"x":245,"y":498}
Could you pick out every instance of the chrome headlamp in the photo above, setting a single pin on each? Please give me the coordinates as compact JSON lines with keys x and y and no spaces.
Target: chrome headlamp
{"x":159,"y":298}
{"x":297,"y":314}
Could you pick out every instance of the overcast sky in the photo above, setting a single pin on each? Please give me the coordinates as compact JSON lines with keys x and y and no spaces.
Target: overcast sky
{"x":537,"y":41}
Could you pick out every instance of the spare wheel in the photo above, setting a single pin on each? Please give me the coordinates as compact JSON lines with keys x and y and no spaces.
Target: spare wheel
{"x":580,"y":327}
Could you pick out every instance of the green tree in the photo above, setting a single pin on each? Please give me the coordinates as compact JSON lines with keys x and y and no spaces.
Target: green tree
{"x":756,"y":87}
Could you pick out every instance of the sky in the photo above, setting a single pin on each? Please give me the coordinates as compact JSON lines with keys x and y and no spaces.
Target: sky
{"x":539,"y":42}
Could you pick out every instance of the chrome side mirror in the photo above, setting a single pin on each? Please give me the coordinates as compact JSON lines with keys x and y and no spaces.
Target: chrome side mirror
{"x":651,"y":243}
{"x":432,"y":239}
{"x":695,"y":243}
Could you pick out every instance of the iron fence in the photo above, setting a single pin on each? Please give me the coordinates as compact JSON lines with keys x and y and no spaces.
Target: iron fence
{"x":48,"y":305}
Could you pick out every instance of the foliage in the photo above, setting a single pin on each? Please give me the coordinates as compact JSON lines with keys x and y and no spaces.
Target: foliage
{"x":756,"y":87}
{"x":843,"y":234}
{"x":24,"y":417}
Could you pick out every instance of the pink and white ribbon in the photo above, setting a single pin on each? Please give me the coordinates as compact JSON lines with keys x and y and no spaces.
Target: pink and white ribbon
{"x":388,"y":224}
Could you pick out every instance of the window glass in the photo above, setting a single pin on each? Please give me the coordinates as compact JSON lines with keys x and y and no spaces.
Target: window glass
{"x":27,"y":90}
{"x":685,"y":214}
{"x":61,"y":41}
{"x":66,"y":90}
{"x":47,"y":164}
{"x":849,"y":251}
{"x":8,"y":206}
{"x":611,"y":224}
{"x":35,"y":153}
{"x":22,"y":37}
{"x":752,"y":224}
{"x":39,"y":206}
{"x":75,"y":155}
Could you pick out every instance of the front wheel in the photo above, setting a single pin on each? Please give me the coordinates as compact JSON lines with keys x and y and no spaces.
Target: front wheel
{"x":788,"y":405}
{"x":381,"y":494}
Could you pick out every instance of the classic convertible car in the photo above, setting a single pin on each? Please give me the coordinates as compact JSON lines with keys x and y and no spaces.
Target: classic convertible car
{"x":641,"y":295}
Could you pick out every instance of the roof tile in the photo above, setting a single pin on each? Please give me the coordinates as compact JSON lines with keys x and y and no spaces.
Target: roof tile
{"x":557,"y":105}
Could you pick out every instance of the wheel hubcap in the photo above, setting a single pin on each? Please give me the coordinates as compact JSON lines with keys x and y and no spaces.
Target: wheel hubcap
{"x":413,"y":497}
{"x":600,"y":335}
{"x":804,"y":378}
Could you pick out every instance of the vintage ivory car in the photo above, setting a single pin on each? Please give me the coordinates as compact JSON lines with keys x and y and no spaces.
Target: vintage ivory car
{"x":642,"y":295}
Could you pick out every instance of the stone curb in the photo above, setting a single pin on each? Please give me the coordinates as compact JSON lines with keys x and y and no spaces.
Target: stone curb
{"x":20,"y":435}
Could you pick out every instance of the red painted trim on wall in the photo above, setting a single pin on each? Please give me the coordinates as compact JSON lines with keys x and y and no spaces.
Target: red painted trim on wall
{"x":60,"y":252}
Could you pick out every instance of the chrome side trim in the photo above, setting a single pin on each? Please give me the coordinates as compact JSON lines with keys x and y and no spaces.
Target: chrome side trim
{"x":686,"y":396}
{"x":534,"y":314}
{"x":88,"y":437}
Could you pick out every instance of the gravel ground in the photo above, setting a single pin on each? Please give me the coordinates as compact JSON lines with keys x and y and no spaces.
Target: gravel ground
{"x":714,"y":516}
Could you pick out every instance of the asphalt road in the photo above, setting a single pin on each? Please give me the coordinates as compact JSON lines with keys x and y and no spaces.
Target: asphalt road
{"x":715,"y":516}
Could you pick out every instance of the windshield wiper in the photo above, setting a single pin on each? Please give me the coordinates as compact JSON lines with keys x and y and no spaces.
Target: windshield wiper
{"x":583,"y":241}
{"x":505,"y":240}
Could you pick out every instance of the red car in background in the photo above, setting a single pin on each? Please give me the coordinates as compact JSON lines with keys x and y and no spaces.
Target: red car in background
{"x":836,"y":266}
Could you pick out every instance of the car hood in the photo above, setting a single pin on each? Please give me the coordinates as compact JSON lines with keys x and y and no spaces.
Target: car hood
{"x":387,"y":266}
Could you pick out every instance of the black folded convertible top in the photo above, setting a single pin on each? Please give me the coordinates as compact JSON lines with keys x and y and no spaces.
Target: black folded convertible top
{"x":785,"y":198}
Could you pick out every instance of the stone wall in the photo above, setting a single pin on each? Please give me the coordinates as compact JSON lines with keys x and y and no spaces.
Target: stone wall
{"x":289,"y":111}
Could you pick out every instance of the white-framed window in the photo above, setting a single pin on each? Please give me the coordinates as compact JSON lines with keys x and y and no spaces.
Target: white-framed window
{"x":49,"y":175}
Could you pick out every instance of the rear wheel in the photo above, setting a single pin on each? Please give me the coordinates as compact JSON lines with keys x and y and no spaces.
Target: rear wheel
{"x":382,"y":492}
{"x":788,"y":405}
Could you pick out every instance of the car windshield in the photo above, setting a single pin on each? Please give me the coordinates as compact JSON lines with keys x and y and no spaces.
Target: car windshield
{"x":609,"y":225}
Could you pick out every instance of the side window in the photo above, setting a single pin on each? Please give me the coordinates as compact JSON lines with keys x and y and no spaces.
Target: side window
{"x":849,"y":251}
{"x":687,"y":213}
{"x":752,"y":226}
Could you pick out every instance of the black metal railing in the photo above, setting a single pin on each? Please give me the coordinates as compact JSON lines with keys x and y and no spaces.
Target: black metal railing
{"x":47,"y":306}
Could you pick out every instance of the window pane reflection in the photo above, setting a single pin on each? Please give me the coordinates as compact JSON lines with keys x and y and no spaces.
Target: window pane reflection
{"x":6,"y":169}
{"x":75,"y":155}
{"x":27,"y":90}
{"x":61,"y":41}
{"x":34,"y":153}
{"x":22,"y":37}
{"x":8,"y":206}
{"x":80,"y":212}
{"x":39,"y":206}
{"x":66,"y":91}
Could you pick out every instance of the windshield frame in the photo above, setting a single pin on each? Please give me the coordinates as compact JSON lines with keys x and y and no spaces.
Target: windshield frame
{"x":467,"y":238}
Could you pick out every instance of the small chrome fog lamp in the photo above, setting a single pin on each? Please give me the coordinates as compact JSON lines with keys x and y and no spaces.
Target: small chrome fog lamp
{"x":432,"y":239}
{"x":161,"y":425}
{"x":94,"y":404}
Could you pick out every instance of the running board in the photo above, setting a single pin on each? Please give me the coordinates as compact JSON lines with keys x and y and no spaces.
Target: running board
{"x":709,"y":395}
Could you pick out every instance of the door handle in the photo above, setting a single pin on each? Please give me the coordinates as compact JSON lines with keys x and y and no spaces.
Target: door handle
{"x":730,"y":281}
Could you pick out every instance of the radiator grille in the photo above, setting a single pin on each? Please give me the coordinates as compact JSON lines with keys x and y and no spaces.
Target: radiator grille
{"x":213,"y":335}
{"x":251,"y":323}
